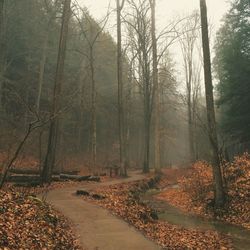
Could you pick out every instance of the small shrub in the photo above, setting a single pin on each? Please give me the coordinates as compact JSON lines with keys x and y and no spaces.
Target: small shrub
{"x":237,"y":175}
{"x":199,"y":183}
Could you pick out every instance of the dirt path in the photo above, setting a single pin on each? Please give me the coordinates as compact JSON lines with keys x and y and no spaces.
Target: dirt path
{"x":97,"y":228}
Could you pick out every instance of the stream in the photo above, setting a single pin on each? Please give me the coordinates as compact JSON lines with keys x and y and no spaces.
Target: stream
{"x":239,"y":235}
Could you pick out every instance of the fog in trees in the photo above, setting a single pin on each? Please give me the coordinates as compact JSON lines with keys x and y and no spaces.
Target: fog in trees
{"x":117,"y":98}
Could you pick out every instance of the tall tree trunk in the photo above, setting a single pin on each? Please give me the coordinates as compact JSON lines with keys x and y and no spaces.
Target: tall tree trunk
{"x":128,"y":116}
{"x":93,"y":110}
{"x":120,"y":88}
{"x":156,"y":90}
{"x":44,"y":53}
{"x":41,"y":79}
{"x":190,"y":122}
{"x":53,"y":132}
{"x":147,"y":107}
{"x":2,"y":45}
{"x":41,"y":69}
{"x":81,"y":105}
{"x":218,"y":183}
{"x":146,"y":139}
{"x":147,"y":113}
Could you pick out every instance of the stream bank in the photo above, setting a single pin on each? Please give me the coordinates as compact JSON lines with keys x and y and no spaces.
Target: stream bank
{"x":240,"y":236}
{"x":123,"y":200}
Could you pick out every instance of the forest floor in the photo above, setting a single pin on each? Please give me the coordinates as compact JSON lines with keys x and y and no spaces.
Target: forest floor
{"x":99,"y":229}
{"x":123,"y":200}
{"x":117,"y":219}
{"x":28,"y":223}
{"x":96,"y":227}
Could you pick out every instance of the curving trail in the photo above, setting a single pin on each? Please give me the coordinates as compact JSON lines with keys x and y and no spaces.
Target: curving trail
{"x":97,"y":228}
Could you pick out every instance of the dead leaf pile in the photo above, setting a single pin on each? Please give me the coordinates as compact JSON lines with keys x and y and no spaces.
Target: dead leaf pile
{"x":122,"y":200}
{"x":28,"y":223}
{"x":195,"y":193}
{"x":238,"y":187}
{"x":22,"y":162}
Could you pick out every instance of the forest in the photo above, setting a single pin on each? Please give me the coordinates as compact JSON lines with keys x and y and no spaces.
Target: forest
{"x":123,"y":119}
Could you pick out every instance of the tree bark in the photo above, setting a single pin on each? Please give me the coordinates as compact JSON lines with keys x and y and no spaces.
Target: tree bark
{"x":2,"y":45}
{"x":147,"y":112}
{"x":187,"y":42}
{"x":128,"y":116}
{"x":218,"y":183}
{"x":44,"y":57}
{"x":190,"y":119}
{"x":120,"y":89}
{"x":146,"y":140}
{"x":93,"y":110}
{"x":156,"y":91}
{"x":53,"y":131}
{"x":143,"y":48}
{"x":41,"y":70}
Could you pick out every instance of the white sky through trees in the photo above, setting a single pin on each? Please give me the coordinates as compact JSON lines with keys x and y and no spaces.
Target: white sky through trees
{"x":166,"y":11}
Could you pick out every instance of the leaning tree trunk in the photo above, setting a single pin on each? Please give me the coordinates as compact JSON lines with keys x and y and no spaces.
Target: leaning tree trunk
{"x":120,"y":89}
{"x":218,"y":183}
{"x":156,"y":90}
{"x":13,"y":159}
{"x":53,"y":132}
{"x":32,"y":126}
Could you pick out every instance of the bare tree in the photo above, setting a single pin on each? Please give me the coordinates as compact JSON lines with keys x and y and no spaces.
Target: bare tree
{"x":218,"y":183}
{"x":119,"y":7}
{"x":144,"y":43}
{"x":142,"y":28}
{"x":156,"y":89}
{"x":51,"y":12}
{"x":34,"y":125}
{"x":54,"y":124}
{"x":92,"y":39}
{"x":188,"y":41}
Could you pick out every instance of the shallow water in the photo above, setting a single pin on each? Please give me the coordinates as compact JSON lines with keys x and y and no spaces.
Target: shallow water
{"x":239,"y":236}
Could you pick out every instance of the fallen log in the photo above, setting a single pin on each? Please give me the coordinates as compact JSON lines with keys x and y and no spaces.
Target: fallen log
{"x":94,"y":178}
{"x":79,"y":177}
{"x":82,"y":192}
{"x":98,"y":196}
{"x":32,"y":178}
{"x":27,"y":184}
{"x":36,"y":172}
{"x":28,"y":178}
{"x":24,"y":171}
{"x":23,"y":178}
{"x":70,"y":172}
{"x":74,"y":177}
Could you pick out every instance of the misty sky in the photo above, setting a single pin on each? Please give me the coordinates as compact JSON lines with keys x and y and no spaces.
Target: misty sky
{"x":166,"y":9}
